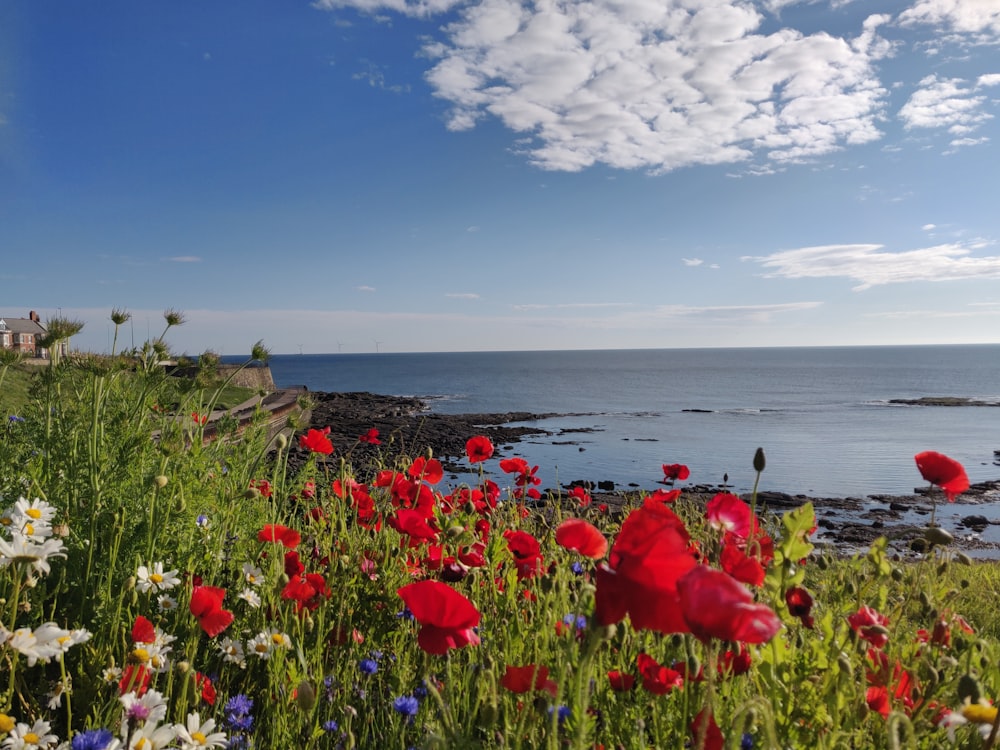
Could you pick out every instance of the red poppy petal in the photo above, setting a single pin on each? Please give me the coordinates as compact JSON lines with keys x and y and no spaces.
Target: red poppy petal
{"x":143,"y":631}
{"x":577,"y":534}
{"x":435,"y":603}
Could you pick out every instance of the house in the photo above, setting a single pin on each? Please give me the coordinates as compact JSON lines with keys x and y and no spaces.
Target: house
{"x":23,"y":335}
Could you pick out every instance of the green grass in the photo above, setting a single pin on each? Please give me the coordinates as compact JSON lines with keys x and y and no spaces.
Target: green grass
{"x":309,"y":624}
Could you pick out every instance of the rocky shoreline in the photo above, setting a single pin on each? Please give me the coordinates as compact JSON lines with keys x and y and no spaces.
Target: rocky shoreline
{"x":405,"y":425}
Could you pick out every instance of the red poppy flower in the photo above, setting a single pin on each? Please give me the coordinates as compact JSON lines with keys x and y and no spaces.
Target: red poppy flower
{"x":206,"y":606}
{"x":716,"y":605}
{"x":308,"y":591}
{"x":199,"y":419}
{"x":143,"y":631}
{"x":446,"y":617}
{"x":527,"y":553}
{"x":728,"y":512}
{"x":733,"y":663}
{"x":317,"y":441}
{"x":946,"y":473}
{"x":279,"y":534}
{"x":739,"y":565}
{"x":673,"y":472}
{"x":577,"y":534}
{"x":800,"y":603}
{"x":427,"y":469}
{"x":657,"y":678}
{"x":580,"y":495}
{"x":665,"y":496}
{"x":413,"y":524}
{"x":527,"y":678}
{"x":707,"y":734}
{"x":651,"y":553}
{"x":478,"y":449}
{"x":870,"y":626}
{"x":262,"y":486}
{"x":204,"y":686}
{"x":135,"y":679}
{"x":370,"y":437}
{"x":621,"y":681}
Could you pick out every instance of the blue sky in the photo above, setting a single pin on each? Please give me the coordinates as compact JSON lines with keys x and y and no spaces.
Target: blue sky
{"x":360,"y":175}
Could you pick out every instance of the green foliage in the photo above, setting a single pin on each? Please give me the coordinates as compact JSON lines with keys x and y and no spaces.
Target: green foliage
{"x":138,"y":493}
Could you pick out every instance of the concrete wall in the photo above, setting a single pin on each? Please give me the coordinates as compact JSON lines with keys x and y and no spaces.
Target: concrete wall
{"x":251,"y":377}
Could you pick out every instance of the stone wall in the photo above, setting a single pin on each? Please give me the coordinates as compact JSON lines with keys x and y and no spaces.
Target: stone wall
{"x":258,"y":378}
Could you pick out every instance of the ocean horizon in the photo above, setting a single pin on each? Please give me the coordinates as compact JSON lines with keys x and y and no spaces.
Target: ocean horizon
{"x":824,"y":415}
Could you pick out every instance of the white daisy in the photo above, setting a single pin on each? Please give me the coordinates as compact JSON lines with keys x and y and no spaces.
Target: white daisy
{"x":150,"y":708}
{"x":232,"y":651}
{"x":194,"y":734}
{"x":156,"y":579}
{"x":23,"y":737}
{"x":24,"y":550}
{"x":251,"y":597}
{"x":252,"y":574}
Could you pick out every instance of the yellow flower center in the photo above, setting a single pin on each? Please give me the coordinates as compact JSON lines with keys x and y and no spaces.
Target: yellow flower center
{"x":6,"y":723}
{"x":980,"y":714}
{"x":6,"y":521}
{"x":63,"y":640}
{"x":157,"y":662}
{"x":31,"y":738}
{"x":260,"y":648}
{"x":198,"y":737}
{"x":29,"y":529}
{"x":277,"y":639}
{"x":33,"y":513}
{"x":140,"y":655}
{"x":156,"y":578}
{"x":142,"y":743}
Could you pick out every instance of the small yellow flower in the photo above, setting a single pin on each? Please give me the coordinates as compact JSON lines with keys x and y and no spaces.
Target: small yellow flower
{"x":6,"y":723}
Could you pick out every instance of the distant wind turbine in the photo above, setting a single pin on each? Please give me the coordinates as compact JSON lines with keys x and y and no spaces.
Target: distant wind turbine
{"x":377,"y":345}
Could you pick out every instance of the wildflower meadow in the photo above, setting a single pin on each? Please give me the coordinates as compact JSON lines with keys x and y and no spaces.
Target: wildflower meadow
{"x":159,"y":589}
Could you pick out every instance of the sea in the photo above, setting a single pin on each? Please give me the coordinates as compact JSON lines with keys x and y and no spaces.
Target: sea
{"x":823,"y":415}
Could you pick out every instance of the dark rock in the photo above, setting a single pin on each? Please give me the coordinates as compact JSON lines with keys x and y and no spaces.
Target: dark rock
{"x":976,"y":523}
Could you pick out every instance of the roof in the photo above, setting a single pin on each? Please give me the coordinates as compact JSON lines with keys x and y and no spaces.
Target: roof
{"x":22,"y":325}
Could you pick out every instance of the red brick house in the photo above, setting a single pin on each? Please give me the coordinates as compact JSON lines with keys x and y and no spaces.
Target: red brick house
{"x":23,"y":335}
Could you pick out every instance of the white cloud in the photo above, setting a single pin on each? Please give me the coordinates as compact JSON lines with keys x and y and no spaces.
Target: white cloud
{"x":944,"y":103}
{"x":657,"y":85}
{"x":365,"y":288}
{"x":419,"y":8}
{"x":462,"y":295}
{"x":981,"y":17}
{"x":570,"y":305}
{"x":928,"y":227}
{"x":692,"y":261}
{"x":184,"y":259}
{"x":870,"y":266}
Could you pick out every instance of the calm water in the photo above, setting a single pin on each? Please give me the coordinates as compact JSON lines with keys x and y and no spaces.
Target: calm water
{"x":821,"y":414}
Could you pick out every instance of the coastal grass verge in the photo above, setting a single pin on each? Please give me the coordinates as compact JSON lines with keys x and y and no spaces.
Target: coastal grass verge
{"x":192,"y":593}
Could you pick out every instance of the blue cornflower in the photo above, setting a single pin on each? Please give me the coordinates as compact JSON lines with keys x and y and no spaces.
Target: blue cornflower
{"x":92,"y":739}
{"x":376,"y":655}
{"x":406,"y":705}
{"x":202,"y":521}
{"x":406,"y":614}
{"x":237,"y":713}
{"x":420,"y":691}
{"x":14,"y":419}
{"x":746,"y":741}
{"x":563,"y":712}
{"x":577,"y":568}
{"x":368,"y":666}
{"x":330,"y":726}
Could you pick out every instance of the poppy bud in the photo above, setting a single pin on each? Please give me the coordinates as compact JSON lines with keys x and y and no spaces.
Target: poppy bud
{"x":455,"y":531}
{"x":925,"y":600}
{"x":183,"y":667}
{"x":964,"y":583}
{"x":130,"y":583}
{"x":488,"y":716}
{"x":759,"y":462}
{"x":250,"y":493}
{"x":844,"y":662}
{"x":281,"y":441}
{"x":160,"y":481}
{"x":963,"y":558}
{"x":942,"y":568}
{"x":918,"y":545}
{"x":897,"y":575}
{"x":937,"y":535}
{"x":305,"y":696}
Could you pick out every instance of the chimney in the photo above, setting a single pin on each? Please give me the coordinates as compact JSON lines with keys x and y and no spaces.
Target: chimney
{"x":33,"y":316}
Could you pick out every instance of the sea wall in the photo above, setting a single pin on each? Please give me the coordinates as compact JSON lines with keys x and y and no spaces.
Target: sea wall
{"x":258,"y":378}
